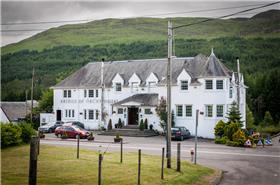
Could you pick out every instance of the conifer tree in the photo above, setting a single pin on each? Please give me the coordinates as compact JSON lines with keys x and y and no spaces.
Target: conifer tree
{"x":234,"y":114}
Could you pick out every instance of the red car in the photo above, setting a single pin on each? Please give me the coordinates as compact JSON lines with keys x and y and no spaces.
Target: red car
{"x":71,"y":132}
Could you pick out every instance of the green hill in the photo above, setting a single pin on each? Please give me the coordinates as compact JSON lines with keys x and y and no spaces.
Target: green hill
{"x":127,"y":31}
{"x":57,"y":52}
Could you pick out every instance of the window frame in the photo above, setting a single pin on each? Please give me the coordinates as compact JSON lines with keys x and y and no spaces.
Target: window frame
{"x":65,"y":93}
{"x":206,"y":84}
{"x":177,"y":111}
{"x":120,"y":112}
{"x":69,"y":93}
{"x":118,"y":87}
{"x":148,"y":111}
{"x":222,"y":113}
{"x":183,"y":83}
{"x":207,"y":111}
{"x":91,"y":114}
{"x":191,"y":112}
{"x":91,"y":93}
{"x":217,"y":84}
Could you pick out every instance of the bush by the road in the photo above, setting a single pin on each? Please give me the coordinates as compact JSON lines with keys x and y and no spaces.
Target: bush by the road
{"x":15,"y":134}
{"x":222,"y":140}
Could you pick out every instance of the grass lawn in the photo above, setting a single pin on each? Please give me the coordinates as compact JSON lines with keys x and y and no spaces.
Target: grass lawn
{"x":58,"y":165}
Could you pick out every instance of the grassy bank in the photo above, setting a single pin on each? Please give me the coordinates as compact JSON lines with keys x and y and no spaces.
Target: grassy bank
{"x":58,"y":165}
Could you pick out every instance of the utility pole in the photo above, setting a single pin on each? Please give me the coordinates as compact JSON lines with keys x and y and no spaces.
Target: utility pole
{"x":26,"y":97}
{"x":195,"y":145}
{"x":169,"y":77}
{"x":238,"y":84}
{"x":32,"y":89}
{"x":102,"y":91}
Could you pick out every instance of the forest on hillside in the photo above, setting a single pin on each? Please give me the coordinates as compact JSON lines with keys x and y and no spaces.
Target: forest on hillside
{"x":259,"y":58}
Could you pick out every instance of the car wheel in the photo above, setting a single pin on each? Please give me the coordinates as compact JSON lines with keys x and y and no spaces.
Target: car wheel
{"x":182,"y":138}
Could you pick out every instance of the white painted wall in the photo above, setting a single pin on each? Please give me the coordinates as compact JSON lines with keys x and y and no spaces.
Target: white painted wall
{"x":197,"y":96}
{"x":46,"y":118}
{"x":3,"y":117}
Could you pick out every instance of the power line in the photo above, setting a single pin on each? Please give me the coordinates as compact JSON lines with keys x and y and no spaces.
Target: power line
{"x":225,"y":16}
{"x":148,"y":15}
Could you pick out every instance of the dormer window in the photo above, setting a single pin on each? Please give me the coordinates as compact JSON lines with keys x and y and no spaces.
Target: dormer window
{"x":219,"y":84}
{"x":118,"y":87}
{"x":134,"y":86}
{"x":208,"y":84}
{"x":184,"y":85}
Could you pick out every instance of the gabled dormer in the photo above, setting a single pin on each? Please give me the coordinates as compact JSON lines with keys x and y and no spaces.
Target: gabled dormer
{"x":151,"y":80}
{"x":134,"y":82}
{"x":183,"y":80}
{"x":117,"y":83}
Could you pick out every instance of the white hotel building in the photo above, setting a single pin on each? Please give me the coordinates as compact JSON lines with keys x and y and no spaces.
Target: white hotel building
{"x":132,"y":90}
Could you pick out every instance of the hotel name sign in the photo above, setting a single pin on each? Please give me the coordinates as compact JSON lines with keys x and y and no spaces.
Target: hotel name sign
{"x":87,"y":101}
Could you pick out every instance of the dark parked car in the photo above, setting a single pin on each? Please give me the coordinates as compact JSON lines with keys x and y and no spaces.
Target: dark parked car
{"x":76,"y":123}
{"x":71,"y":132}
{"x":46,"y":128}
{"x":57,"y":124}
{"x":180,"y":133}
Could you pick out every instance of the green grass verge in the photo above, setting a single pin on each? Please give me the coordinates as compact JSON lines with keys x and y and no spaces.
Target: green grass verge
{"x":58,"y":165}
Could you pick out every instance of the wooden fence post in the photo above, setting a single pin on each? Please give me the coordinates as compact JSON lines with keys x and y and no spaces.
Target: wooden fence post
{"x":178,"y":157}
{"x":99,"y":168}
{"x":121,"y":150}
{"x":139,"y":166}
{"x":33,"y":161}
{"x":78,"y":146}
{"x":162,"y":163}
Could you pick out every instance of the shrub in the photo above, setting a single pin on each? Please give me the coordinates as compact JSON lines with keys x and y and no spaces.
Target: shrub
{"x":222,"y":140}
{"x":239,"y":137}
{"x":233,"y":143}
{"x":230,"y":129}
{"x":10,"y":135}
{"x":151,"y":126}
{"x":146,"y":123}
{"x":110,"y":125}
{"x":141,"y":126}
{"x":119,"y":123}
{"x":26,"y":132}
{"x":272,"y":130}
{"x":219,"y":128}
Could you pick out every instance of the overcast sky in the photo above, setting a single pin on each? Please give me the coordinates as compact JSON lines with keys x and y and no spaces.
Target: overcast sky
{"x":42,"y":11}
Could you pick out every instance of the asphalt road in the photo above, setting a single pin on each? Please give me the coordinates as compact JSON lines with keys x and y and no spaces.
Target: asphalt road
{"x":241,"y":166}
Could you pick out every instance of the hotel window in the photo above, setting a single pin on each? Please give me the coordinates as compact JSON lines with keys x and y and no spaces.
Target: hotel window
{"x":64,"y":93}
{"x":120,"y":110}
{"x":134,"y":86}
{"x":118,"y":87}
{"x":73,"y":113}
{"x":91,"y":93}
{"x":66,"y":113}
{"x":219,"y":84}
{"x":209,"y":110}
{"x":179,"y":110}
{"x":220,"y":110}
{"x":96,"y":114}
{"x":69,"y":113}
{"x":230,"y":92}
{"x":148,"y":111}
{"x":85,"y":114}
{"x":188,"y":111}
{"x":90,"y":114}
{"x":85,"y":93}
{"x":208,"y":84}
{"x":152,"y":84}
{"x":184,"y":85}
{"x":69,"y":93}
{"x":96,"y":93}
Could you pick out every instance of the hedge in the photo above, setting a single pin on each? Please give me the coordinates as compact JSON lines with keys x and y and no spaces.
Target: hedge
{"x":15,"y":134}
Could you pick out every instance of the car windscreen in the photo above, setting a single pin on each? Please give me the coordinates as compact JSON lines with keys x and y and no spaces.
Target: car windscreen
{"x":173,"y":130}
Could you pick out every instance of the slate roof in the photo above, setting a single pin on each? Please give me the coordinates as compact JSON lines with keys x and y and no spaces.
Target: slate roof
{"x":16,"y":110}
{"x":198,"y":67}
{"x":143,"y":99}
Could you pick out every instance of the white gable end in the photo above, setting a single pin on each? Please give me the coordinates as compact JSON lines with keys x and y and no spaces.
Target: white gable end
{"x":183,"y":76}
{"x":118,"y":79}
{"x":134,"y":79}
{"x":152,"y":78}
